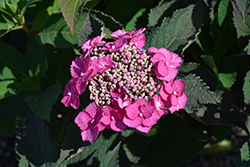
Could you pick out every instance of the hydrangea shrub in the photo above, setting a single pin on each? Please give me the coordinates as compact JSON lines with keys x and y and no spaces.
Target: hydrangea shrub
{"x":123,"y":83}
{"x":123,"y":80}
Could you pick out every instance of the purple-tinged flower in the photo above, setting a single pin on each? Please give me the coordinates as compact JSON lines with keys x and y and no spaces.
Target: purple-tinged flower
{"x":103,"y":64}
{"x":158,"y":104}
{"x":165,"y":63}
{"x":89,"y":122}
{"x":112,"y":118}
{"x":114,"y":46}
{"x":133,"y":37}
{"x":81,"y":72}
{"x":141,"y":115}
{"x":91,"y":43}
{"x":173,"y":95}
{"x":70,"y":95}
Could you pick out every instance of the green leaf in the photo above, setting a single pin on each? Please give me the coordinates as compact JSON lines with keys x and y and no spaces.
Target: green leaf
{"x":111,"y":158}
{"x":175,"y":33}
{"x":242,"y":27}
{"x":71,"y":142}
{"x":53,"y":9}
{"x":58,"y":34}
{"x":223,"y":113}
{"x":167,"y":144}
{"x":243,"y":6}
{"x":33,"y":142}
{"x":38,"y":56}
{"x":100,"y":146}
{"x":91,"y":28}
{"x":29,"y":2}
{"x":197,"y":93}
{"x":157,"y":12}
{"x":132,"y":23}
{"x":41,"y":103}
{"x":246,"y":88}
{"x":222,"y":30}
{"x":209,"y":61}
{"x":71,"y":11}
{"x":58,"y":65}
{"x":243,"y":158}
{"x":39,"y":19}
{"x":227,"y":73}
{"x":12,"y":116}
{"x":11,"y":58}
{"x":126,"y":11}
{"x":4,"y":89}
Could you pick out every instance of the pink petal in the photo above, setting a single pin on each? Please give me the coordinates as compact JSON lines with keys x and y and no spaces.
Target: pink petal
{"x":82,"y":120}
{"x":81,"y":87}
{"x":66,"y":101}
{"x":90,"y":134}
{"x":153,"y":49}
{"x":171,"y":75}
{"x":144,"y":129}
{"x":176,"y":60}
{"x":132,"y":111}
{"x":157,"y":57}
{"x":174,"y":100}
{"x":132,"y":123}
{"x":117,"y":126}
{"x":178,"y":85}
{"x":162,"y":69}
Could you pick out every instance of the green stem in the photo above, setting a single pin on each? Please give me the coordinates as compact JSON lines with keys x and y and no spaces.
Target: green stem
{"x":26,"y":29}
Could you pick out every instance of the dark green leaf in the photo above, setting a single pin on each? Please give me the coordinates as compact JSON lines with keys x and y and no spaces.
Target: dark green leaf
{"x":175,"y":33}
{"x":71,"y":11}
{"x":91,"y":28}
{"x":246,"y":88}
{"x":223,"y":113}
{"x":125,"y":11}
{"x":110,"y":159}
{"x":32,"y":141}
{"x":58,"y":65}
{"x":29,"y":2}
{"x":197,"y":93}
{"x":11,"y":58}
{"x":14,"y":111}
{"x":41,"y":103}
{"x":38,"y":56}
{"x":164,"y":148}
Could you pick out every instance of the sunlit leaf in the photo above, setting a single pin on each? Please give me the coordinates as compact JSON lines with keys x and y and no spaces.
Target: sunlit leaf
{"x":175,"y":33}
{"x":71,"y":11}
{"x":110,"y":158}
{"x":243,"y":158}
{"x":197,"y":93}
{"x":246,"y":88}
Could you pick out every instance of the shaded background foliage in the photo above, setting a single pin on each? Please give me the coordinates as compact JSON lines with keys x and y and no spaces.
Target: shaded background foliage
{"x":211,"y":36}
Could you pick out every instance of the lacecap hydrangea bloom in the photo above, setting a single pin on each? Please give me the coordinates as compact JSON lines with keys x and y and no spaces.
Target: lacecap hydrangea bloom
{"x":129,"y":86}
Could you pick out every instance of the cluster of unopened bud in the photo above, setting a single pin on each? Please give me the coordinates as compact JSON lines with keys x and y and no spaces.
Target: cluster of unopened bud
{"x":132,"y":70}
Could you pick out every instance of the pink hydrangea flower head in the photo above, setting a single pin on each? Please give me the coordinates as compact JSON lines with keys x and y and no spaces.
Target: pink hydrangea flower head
{"x":165,"y":63}
{"x":113,"y":118}
{"x":89,"y":122}
{"x":91,"y":43}
{"x":103,"y":64}
{"x":158,"y":104}
{"x":173,"y":95}
{"x":70,"y":95}
{"x":141,"y":115}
